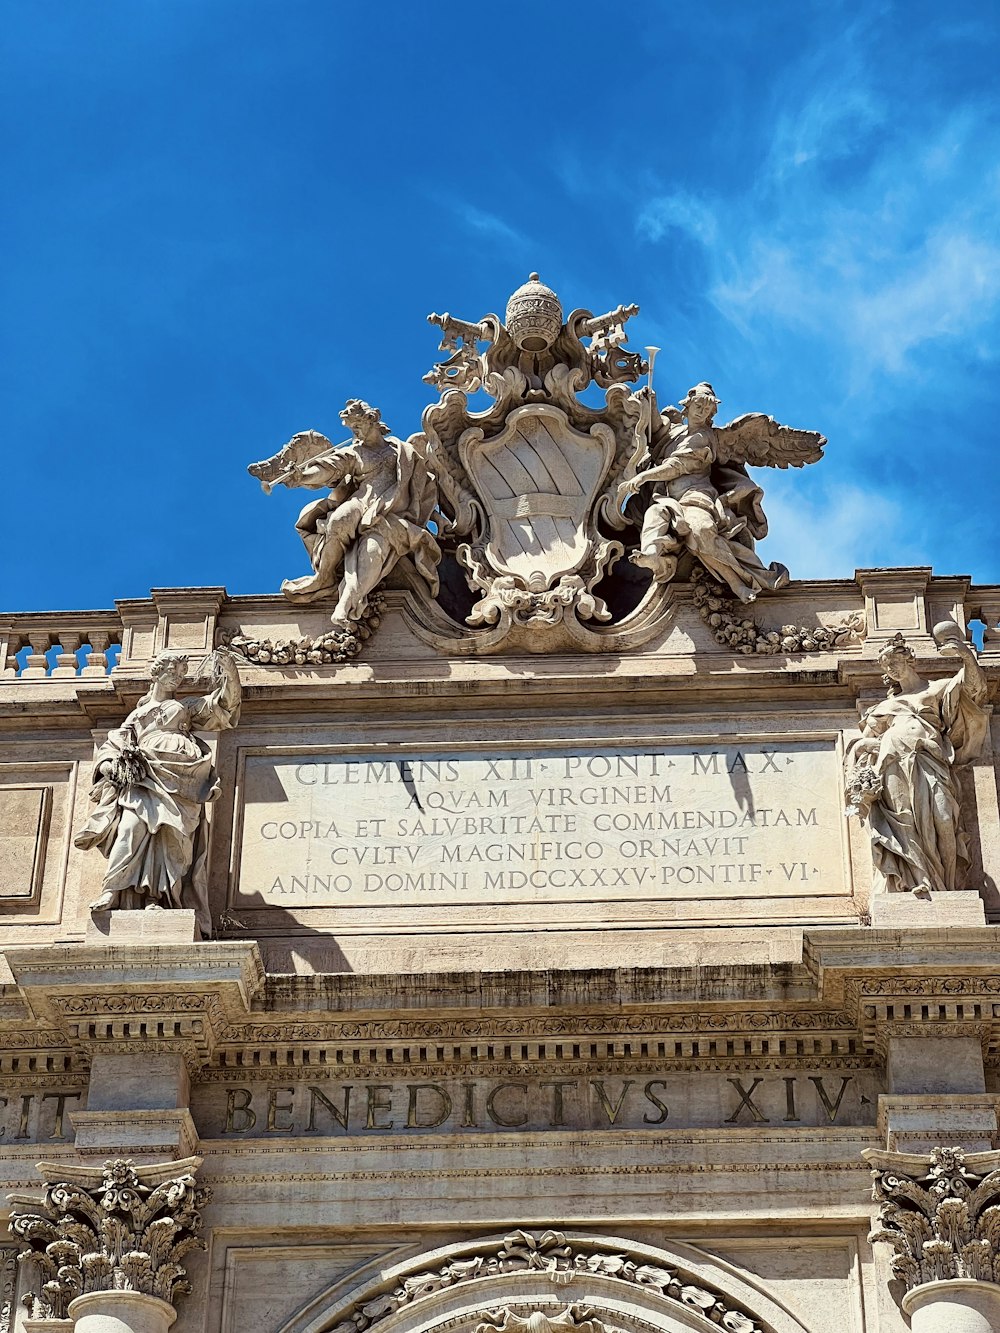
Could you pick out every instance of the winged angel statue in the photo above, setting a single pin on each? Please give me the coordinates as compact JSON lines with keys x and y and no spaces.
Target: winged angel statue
{"x":699,"y":498}
{"x":380,"y":500}
{"x":550,"y":492}
{"x":534,"y":499}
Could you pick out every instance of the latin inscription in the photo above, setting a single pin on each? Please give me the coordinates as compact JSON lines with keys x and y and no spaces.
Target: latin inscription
{"x":352,"y":1107}
{"x":37,"y":1117}
{"x":749,"y":821}
{"x":678,"y":1100}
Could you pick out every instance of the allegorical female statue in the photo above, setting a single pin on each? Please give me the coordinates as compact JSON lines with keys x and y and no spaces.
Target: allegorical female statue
{"x":900,"y":773}
{"x":381,"y":499}
{"x":152,"y":781}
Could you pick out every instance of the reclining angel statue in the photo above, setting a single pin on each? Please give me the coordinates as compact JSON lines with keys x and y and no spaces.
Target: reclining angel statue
{"x":152,"y":781}
{"x":700,"y":498}
{"x":377,"y":511}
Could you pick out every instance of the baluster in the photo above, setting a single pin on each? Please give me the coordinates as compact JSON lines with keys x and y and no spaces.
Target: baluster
{"x":97,"y":658}
{"x":37,"y":665}
{"x":990,"y":616}
{"x":11,"y":643}
{"x":66,"y":663}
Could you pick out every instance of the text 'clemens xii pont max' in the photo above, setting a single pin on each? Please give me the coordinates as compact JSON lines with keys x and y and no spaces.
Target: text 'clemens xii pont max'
{"x":748,"y":821}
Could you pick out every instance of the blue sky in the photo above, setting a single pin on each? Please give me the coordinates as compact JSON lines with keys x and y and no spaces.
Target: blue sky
{"x":222,"y":218}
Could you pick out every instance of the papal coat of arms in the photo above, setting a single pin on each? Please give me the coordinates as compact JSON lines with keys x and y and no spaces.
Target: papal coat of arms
{"x":542,"y":521}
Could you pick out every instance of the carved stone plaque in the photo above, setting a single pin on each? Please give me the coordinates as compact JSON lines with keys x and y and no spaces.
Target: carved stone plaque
{"x":750,"y":821}
{"x":23,"y":828}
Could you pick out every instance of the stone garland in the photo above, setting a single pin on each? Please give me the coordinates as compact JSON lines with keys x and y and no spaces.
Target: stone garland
{"x":733,"y":628}
{"x":119,"y":1235}
{"x":333,"y":647}
{"x":547,"y":1252}
{"x":726,"y":617}
{"x":945,"y":1224}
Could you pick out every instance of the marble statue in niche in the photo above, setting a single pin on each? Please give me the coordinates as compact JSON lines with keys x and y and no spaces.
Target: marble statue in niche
{"x":381,"y":499}
{"x":698,"y":497}
{"x":152,"y":781}
{"x":901,"y":775}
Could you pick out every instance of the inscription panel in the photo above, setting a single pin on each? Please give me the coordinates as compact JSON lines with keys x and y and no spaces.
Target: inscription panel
{"x":479,"y":1105}
{"x":472,"y":828}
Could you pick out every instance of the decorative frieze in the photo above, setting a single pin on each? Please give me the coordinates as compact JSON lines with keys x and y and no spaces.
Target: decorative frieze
{"x":123,"y":1228}
{"x":940,"y":1213}
{"x":8,"y":1285}
{"x":562,"y":1260}
{"x":574,"y":1317}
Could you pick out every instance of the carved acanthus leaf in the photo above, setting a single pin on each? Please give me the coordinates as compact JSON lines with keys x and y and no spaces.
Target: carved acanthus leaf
{"x":942,"y":1222}
{"x":122,"y":1232}
{"x":574,"y":1317}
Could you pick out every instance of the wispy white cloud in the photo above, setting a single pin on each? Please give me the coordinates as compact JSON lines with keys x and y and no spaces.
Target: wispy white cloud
{"x":682,"y":211}
{"x":844,"y":529}
{"x":865,"y":236}
{"x":488,"y":224}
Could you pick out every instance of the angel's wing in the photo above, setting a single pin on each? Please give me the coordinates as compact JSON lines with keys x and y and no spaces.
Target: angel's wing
{"x":301,"y":448}
{"x":763,"y":442}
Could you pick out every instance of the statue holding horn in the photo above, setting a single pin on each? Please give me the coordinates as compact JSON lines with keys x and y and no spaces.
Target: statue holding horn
{"x":381,"y":498}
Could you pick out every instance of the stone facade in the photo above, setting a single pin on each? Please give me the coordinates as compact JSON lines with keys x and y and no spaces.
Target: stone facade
{"x":513,"y":961}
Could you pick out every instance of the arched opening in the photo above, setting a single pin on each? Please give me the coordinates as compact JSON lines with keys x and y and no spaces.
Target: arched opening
{"x":547,"y":1282}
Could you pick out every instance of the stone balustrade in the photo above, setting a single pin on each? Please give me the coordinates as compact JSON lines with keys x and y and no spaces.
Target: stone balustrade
{"x":983,"y":603}
{"x":78,"y":643}
{"x":65,"y":632}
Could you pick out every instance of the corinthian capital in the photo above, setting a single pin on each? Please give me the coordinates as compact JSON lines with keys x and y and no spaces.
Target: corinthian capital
{"x":123,"y":1228}
{"x":939,"y":1212}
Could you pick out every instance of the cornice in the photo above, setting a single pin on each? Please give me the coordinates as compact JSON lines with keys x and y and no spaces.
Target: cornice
{"x":211,"y":1003}
{"x":143,"y":997}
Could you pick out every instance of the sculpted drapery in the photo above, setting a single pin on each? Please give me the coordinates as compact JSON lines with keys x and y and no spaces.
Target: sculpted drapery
{"x":901,"y":776}
{"x":380,"y":502}
{"x":152,"y":781}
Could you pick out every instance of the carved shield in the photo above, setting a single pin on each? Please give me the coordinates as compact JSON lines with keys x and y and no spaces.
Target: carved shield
{"x":538,"y":480}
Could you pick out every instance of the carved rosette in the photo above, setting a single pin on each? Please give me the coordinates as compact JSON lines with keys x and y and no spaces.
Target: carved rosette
{"x":940,"y":1213}
{"x":124,"y":1228}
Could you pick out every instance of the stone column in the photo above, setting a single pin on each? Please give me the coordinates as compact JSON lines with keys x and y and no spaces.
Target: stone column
{"x":107,"y":1243}
{"x":940,"y":1212}
{"x":120,"y":1312}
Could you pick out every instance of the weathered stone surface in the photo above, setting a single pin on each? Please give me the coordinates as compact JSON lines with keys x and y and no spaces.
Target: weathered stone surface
{"x":753,"y":821}
{"x":23,"y":828}
{"x":545,"y":936}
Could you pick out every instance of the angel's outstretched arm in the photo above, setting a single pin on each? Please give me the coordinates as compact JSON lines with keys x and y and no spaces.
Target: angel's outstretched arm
{"x":326,"y":470}
{"x":682,"y":462}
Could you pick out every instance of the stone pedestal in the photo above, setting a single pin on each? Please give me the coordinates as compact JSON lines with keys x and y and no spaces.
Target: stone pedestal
{"x":903,"y":910}
{"x":173,"y":925}
{"x":958,"y":1305}
{"x":121,"y":1312}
